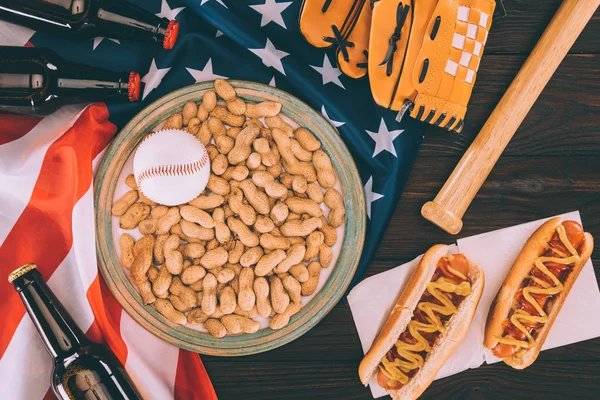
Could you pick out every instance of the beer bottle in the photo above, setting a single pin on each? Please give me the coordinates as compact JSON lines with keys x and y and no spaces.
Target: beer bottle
{"x":116,"y":19}
{"x":82,"y":369}
{"x":38,"y":81}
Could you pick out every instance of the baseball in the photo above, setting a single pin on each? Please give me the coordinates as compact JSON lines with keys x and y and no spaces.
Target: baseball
{"x":171,"y":167}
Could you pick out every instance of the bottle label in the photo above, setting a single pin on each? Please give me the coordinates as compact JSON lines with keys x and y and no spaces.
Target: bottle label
{"x":21,"y":81}
{"x":122,"y":20}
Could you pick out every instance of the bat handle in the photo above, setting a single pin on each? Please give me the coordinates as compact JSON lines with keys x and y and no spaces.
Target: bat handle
{"x":451,"y":203}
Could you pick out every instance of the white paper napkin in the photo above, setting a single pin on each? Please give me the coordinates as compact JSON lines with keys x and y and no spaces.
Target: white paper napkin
{"x":371,"y":300}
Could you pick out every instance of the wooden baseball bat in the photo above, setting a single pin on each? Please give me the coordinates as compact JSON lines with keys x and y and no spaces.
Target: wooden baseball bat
{"x":449,"y":206}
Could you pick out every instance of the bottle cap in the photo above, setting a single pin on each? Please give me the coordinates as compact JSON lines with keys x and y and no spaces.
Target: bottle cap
{"x":133,"y":88}
{"x":171,"y":35}
{"x":20,"y":272}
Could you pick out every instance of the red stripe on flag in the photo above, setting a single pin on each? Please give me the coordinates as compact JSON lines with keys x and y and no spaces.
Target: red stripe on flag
{"x":191,"y":379}
{"x":16,"y":126}
{"x":43,"y":232}
{"x":107,"y":323}
{"x":29,"y":44}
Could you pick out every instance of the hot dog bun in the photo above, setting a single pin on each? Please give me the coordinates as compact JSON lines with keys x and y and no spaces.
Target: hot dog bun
{"x":401,"y":315}
{"x":533,"y":248}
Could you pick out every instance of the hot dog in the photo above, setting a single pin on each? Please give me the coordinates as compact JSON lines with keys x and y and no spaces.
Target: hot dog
{"x":534,"y":291}
{"x":429,"y":320}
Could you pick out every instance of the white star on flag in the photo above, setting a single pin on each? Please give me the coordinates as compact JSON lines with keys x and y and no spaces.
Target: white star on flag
{"x":272,"y":81}
{"x":218,"y":1}
{"x":206,"y":74}
{"x":370,"y":196}
{"x":99,"y":39}
{"x":166,"y":12}
{"x":384,"y":139}
{"x":218,"y":34}
{"x":337,"y":124}
{"x":153,"y":78}
{"x":271,"y":12}
{"x":270,"y":56}
{"x":329,"y":73}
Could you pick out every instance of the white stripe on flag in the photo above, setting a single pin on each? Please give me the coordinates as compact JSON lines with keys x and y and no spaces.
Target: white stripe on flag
{"x":150,"y":361}
{"x":14,"y":35}
{"x":21,"y":160}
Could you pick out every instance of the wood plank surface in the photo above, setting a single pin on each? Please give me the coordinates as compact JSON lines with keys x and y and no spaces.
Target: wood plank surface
{"x":551,"y":166}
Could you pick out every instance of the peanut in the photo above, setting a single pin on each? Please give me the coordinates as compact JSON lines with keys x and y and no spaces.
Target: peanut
{"x":159,"y":244}
{"x":279,"y":213}
{"x":299,"y":152}
{"x":126,"y":242}
{"x":252,"y":313}
{"x":263,"y":109}
{"x":241,"y":230}
{"x":215,"y":328}
{"x":224,"y":89}
{"x":123,"y":204}
{"x":175,"y":121}
{"x":329,"y":232}
{"x":166,"y":222}
{"x":143,"y":259}
{"x":304,"y":206}
{"x":236,"y":252}
{"x":314,"y":271}
{"x":152,"y":273}
{"x":271,"y":242}
{"x":161,"y":284}
{"x":192,"y":274}
{"x":325,"y":171}
{"x":237,"y":173}
{"x":204,"y":134}
{"x":293,"y":288}
{"x":255,"y":197}
{"x":300,"y":272}
{"x":159,"y":211}
{"x":147,"y":226}
{"x":227,"y":300}
{"x":146,"y":292}
{"x":306,"y":139}
{"x":179,"y":304}
{"x":214,"y":258}
{"x":334,"y":200}
{"x":195,"y":231}
{"x":130,"y":181}
{"x":218,"y":185}
{"x":263,"y":304}
{"x":280,"y":320}
{"x":291,"y":163}
{"x":207,"y":202}
{"x":190,"y":109}
{"x":134,"y":215}
{"x":224,"y":115}
{"x":226,"y":275}
{"x":244,"y":211}
{"x":193,"y":126}
{"x":224,"y":144}
{"x":253,"y":161}
{"x":209,"y":297}
{"x":165,"y":308}
{"x":219,"y":164}
{"x":197,"y":316}
{"x":238,"y":324}
{"x":246,"y":296}
{"x":313,"y":242}
{"x":196,"y":215}
{"x":209,"y":101}
{"x":299,"y":184}
{"x":241,"y":150}
{"x":251,"y":256}
{"x":314,"y":192}
{"x":186,"y":294}
{"x":277,"y":122}
{"x":236,"y":106}
{"x":325,"y":255}
{"x":268,"y":262}
{"x":173,"y":258}
{"x":193,"y":250}
{"x":279,"y":298}
{"x":265,"y":180}
{"x":263,"y":224}
{"x":294,"y":256}
{"x":300,"y":228}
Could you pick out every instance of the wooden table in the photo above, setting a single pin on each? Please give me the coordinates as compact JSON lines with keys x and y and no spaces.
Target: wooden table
{"x":551,"y":166}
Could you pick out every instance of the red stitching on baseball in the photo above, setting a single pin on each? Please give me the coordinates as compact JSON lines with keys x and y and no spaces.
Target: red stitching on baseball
{"x":172,"y":170}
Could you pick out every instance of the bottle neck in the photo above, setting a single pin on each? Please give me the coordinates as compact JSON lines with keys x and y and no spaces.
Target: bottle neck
{"x":61,"y":336}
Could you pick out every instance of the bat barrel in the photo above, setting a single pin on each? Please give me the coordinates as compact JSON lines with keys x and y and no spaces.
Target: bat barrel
{"x":451,"y":203}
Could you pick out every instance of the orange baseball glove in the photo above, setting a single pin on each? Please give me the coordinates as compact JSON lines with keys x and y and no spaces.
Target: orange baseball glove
{"x":423,"y":55}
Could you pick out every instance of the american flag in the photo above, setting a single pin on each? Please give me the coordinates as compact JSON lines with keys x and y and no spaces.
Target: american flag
{"x":47,"y":167}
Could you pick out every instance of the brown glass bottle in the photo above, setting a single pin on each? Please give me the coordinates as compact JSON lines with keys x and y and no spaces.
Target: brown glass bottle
{"x":117,"y":19}
{"x":82,"y":369}
{"x":38,"y":81}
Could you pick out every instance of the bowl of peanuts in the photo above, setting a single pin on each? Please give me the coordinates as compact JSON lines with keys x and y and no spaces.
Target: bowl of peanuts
{"x":264,"y":252}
